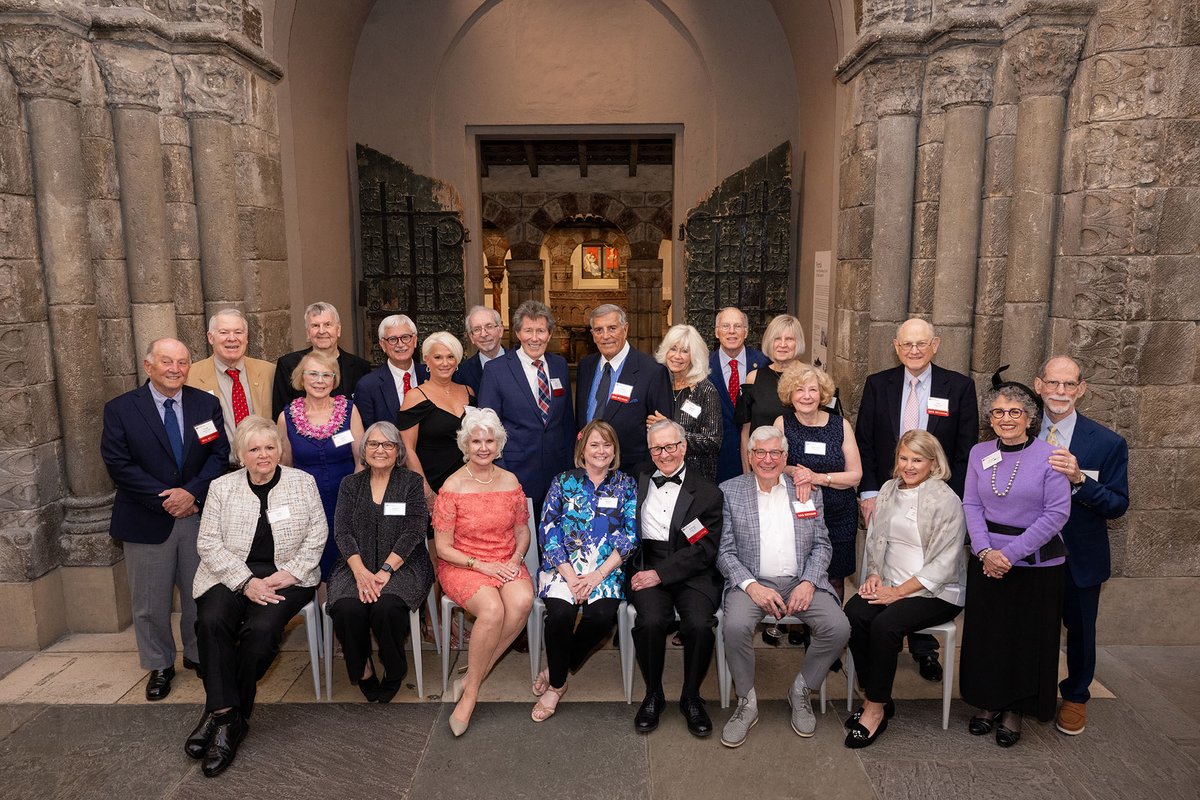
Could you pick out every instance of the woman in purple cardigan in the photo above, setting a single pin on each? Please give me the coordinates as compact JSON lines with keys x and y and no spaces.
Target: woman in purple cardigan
{"x":1016,"y":506}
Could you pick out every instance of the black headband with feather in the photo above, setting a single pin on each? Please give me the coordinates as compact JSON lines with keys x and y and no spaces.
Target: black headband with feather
{"x":999,"y":383}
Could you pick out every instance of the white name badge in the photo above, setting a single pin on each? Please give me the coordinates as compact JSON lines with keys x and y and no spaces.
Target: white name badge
{"x":469,"y":408}
{"x":695,"y":531}
{"x":1094,"y":474}
{"x":690,"y":408}
{"x":938,"y":406}
{"x":556,"y":384}
{"x":608,"y":502}
{"x":206,"y":432}
{"x":394,"y":509}
{"x":912,"y":514}
{"x":805,"y":510}
{"x":342,"y":439}
{"x":992,"y":460}
{"x":814,"y":448}
{"x":622,"y":392}
{"x":832,"y":404}
{"x":278,"y":514}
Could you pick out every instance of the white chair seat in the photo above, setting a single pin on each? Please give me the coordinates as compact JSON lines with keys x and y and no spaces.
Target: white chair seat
{"x":629,"y":618}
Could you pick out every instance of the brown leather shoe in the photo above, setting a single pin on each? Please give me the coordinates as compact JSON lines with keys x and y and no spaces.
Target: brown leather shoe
{"x":1071,"y":718}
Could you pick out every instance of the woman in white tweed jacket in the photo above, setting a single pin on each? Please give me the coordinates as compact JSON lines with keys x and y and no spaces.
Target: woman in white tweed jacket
{"x":260,"y":543}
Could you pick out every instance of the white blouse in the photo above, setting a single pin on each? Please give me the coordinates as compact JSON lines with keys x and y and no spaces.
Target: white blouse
{"x":904,"y":555}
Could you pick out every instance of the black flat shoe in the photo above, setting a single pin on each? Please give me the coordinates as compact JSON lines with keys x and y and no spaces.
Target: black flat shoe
{"x":930,"y":668}
{"x":370,"y":688}
{"x":889,"y":711}
{"x":194,"y":667}
{"x":698,"y":722}
{"x":231,"y":730}
{"x":798,"y":635}
{"x":388,"y":689}
{"x":201,"y":737}
{"x":159,"y":685}
{"x":1007,"y":736}
{"x":981,"y":724}
{"x":646,"y":719}
{"x":858,"y":736}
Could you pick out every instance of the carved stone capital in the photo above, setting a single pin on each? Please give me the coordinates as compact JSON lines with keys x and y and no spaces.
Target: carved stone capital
{"x":212,"y":86}
{"x":961,"y":76}
{"x":1044,"y":60}
{"x":229,"y":13}
{"x":896,"y":87}
{"x":45,"y":62}
{"x":131,"y":75}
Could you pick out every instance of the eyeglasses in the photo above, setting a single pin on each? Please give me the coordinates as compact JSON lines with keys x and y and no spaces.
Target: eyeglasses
{"x":479,"y":330}
{"x":1068,"y":386}
{"x":385,"y":446}
{"x":318,"y":376}
{"x":1011,"y":413}
{"x":772,"y":454}
{"x":669,"y":449}
{"x":920,"y":346}
{"x":395,"y":340}
{"x":731,"y":326}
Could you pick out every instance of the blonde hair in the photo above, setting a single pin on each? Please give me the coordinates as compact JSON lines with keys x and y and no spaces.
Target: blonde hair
{"x":926,"y":445}
{"x":775,"y":329}
{"x":251,"y":427}
{"x":693,"y":342}
{"x":327,"y":362}
{"x":797,"y":374}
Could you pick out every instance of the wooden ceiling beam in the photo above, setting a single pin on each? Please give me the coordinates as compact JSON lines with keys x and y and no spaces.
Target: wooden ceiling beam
{"x":633,"y":148}
{"x":531,"y":160}
{"x":582,"y":158}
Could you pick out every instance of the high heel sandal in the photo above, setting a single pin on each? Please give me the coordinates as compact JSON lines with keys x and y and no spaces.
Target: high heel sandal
{"x":982,"y":723}
{"x":541,"y":712}
{"x":541,"y":683}
{"x":1006,"y":736}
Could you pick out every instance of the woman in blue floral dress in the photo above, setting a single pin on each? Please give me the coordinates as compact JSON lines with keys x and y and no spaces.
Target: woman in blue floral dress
{"x":589,"y":528}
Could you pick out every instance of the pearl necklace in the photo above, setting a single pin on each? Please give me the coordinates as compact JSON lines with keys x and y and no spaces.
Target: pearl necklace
{"x":1011,"y":478}
{"x":485,"y":483}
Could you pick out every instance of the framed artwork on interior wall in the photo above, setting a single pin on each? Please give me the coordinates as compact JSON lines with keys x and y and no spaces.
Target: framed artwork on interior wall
{"x":599,"y":262}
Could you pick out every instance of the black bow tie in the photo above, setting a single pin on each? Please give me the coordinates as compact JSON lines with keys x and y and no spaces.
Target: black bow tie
{"x":662,"y":480}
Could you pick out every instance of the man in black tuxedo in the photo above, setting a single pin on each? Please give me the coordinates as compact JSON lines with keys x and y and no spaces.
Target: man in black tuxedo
{"x":916,"y":394}
{"x":485,"y":329}
{"x":621,"y":386}
{"x":674,"y":570}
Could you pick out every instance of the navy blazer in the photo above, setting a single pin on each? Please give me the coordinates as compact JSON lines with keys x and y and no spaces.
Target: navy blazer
{"x":651,"y":392}
{"x":376,"y":397}
{"x":729,"y":463}
{"x":877,"y":427}
{"x":690,"y":564}
{"x":141,"y":464}
{"x":1096,"y":501}
{"x":470,"y":373}
{"x":534,"y":452}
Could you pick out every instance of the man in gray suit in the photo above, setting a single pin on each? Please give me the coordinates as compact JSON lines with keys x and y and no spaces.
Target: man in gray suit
{"x":774,"y":555}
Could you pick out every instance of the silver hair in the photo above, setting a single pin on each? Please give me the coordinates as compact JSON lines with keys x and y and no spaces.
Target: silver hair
{"x":1041,"y":373}
{"x":388,"y":431}
{"x":485,"y":419}
{"x":226,"y":312}
{"x":150,"y":348}
{"x":321,"y":307}
{"x":531,"y":310}
{"x":447,"y":340}
{"x":662,"y":424}
{"x":745,"y":319}
{"x":765,"y":433}
{"x":927,"y":323}
{"x":605,"y":310}
{"x":690,"y":338}
{"x":250,"y":427}
{"x":396,"y":321}
{"x":480,"y":310}
{"x":1014,"y":394}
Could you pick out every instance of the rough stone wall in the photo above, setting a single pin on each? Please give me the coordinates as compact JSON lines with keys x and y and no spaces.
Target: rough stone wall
{"x":1082,"y":120}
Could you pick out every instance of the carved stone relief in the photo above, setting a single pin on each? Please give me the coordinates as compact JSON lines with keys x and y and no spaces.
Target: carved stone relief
{"x":961,"y":76}
{"x":1044,"y":60}
{"x":44,"y":62}
{"x":212,"y":86}
{"x":896,"y":87}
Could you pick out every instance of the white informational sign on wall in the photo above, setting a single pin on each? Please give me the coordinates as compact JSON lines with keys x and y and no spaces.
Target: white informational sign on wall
{"x":822,"y":273}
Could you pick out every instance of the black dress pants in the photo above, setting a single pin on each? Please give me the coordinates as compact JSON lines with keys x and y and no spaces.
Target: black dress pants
{"x":877,"y":634}
{"x":656,"y":609}
{"x":238,"y":641}
{"x":354,"y":622}
{"x":567,"y":645}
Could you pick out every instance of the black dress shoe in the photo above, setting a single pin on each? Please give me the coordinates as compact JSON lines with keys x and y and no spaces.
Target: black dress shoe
{"x":648,"y":713}
{"x":772,"y":636}
{"x":858,"y":736}
{"x":159,"y":685}
{"x":889,"y":711}
{"x":930,"y":668}
{"x":698,"y":722}
{"x":231,"y":730}
{"x":982,"y":723}
{"x":194,"y":667}
{"x":201,"y":737}
{"x":799,"y":635}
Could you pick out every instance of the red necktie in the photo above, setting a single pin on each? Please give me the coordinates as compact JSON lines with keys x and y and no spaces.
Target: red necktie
{"x":407,"y":383}
{"x":240,"y":408}
{"x":735,"y":384}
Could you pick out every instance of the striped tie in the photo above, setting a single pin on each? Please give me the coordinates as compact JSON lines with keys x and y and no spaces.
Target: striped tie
{"x":543,"y":398}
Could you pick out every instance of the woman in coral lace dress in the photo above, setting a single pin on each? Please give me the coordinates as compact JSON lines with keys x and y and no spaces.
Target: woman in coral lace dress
{"x":481,"y":529}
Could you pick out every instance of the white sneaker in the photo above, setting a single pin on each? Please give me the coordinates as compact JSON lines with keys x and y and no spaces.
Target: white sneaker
{"x":745,"y":717}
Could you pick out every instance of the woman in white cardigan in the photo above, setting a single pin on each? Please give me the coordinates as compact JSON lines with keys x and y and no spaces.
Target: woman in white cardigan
{"x":260,"y":543}
{"x":913,"y":575}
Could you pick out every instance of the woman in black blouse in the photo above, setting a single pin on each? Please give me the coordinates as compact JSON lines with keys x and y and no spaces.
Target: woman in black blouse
{"x":695,"y":405}
{"x":759,"y":403}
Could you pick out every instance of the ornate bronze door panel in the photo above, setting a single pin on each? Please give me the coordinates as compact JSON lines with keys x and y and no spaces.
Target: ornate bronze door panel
{"x":738,"y":245}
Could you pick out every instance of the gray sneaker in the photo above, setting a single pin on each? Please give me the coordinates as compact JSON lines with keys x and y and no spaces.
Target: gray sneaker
{"x":804,"y":722}
{"x":745,"y":717}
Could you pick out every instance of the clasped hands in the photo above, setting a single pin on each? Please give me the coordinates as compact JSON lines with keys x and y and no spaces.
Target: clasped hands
{"x":771,"y":602}
{"x":996,"y":564}
{"x":504,"y":570}
{"x":582,"y":586}
{"x":803,"y":478}
{"x":179,"y":502}
{"x":370,"y":584}
{"x":877,"y":593}
{"x":265,"y":591}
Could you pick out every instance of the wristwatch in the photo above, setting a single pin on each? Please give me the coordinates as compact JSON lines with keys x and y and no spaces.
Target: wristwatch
{"x":387,"y":568}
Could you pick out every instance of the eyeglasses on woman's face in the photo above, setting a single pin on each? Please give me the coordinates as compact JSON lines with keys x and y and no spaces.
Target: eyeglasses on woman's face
{"x":1011,"y":413}
{"x":387,"y":447}
{"x":317,"y":375}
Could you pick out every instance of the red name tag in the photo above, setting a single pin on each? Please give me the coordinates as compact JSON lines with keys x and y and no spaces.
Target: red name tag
{"x":805,"y":514}
{"x":933,"y":413}
{"x":695,"y":531}
{"x":618,"y":398}
{"x":805,"y":510}
{"x":698,"y":535}
{"x":209,"y":438}
{"x":559,"y":392}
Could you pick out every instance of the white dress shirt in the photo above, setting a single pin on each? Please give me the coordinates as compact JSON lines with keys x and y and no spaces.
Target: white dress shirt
{"x":658,"y":508}
{"x":740,"y":358}
{"x":398,"y":376}
{"x":531,"y":373}
{"x":777,"y":535}
{"x":904,"y":556}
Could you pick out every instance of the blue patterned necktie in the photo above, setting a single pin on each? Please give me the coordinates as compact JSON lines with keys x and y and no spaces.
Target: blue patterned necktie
{"x":171,"y":423}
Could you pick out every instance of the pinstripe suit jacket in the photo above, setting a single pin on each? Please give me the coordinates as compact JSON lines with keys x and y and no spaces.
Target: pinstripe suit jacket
{"x":231,"y":515}
{"x":738,"y":557}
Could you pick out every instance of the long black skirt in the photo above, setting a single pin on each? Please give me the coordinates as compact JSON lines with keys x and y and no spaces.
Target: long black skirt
{"x":1010,"y":640}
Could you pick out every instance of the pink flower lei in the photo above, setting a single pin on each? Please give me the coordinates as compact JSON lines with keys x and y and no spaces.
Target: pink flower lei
{"x":306,"y":428}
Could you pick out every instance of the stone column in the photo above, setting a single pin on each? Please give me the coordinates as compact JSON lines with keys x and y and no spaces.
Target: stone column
{"x":1043,"y":61}
{"x":526,"y":281}
{"x":960,"y":83}
{"x":212,"y":91}
{"x":896,"y":88}
{"x":645,"y":303}
{"x":47,"y":67}
{"x":131,"y":77}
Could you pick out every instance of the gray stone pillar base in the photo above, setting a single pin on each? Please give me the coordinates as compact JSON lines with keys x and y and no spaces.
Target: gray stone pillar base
{"x":96,"y":599}
{"x":33,"y":612}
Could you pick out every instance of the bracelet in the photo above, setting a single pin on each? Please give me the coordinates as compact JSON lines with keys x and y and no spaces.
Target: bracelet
{"x":241,"y":587}
{"x":984,"y":552}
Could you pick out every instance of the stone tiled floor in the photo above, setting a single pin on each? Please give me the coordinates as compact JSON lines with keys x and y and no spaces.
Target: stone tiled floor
{"x":74,"y":724}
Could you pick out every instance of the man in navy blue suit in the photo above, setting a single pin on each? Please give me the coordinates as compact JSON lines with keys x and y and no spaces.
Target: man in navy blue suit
{"x":531,"y":393}
{"x":621,"y":386}
{"x":163,"y":443}
{"x":1096,"y":462}
{"x":379,"y":394}
{"x":728,"y":367}
{"x":485,"y":329}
